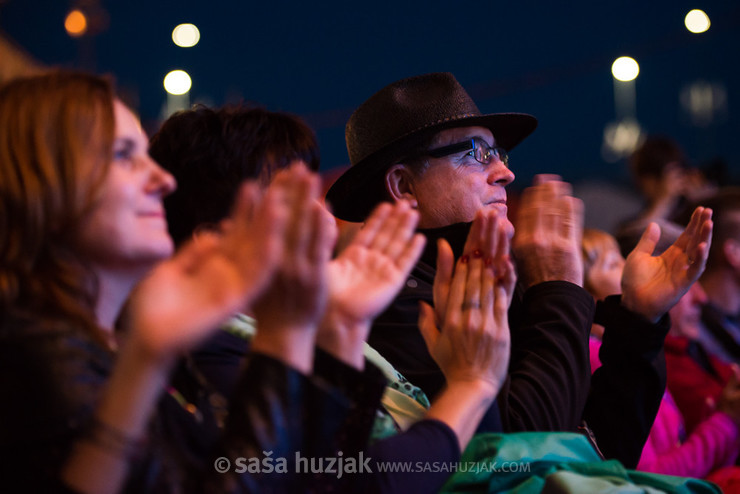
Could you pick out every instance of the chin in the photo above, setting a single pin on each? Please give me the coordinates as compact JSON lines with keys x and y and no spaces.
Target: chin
{"x":154,"y":252}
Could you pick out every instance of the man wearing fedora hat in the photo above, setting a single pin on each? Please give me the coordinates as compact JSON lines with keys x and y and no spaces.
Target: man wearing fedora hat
{"x":424,"y":140}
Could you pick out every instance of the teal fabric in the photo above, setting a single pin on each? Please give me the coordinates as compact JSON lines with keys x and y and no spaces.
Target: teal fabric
{"x":554,"y":462}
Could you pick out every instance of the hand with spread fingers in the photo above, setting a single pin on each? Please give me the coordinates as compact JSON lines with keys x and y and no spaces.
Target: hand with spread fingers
{"x":470,"y":341}
{"x":366,"y":276}
{"x":547,"y":244}
{"x":651,"y":285}
{"x":485,"y":239}
{"x":289,"y":311}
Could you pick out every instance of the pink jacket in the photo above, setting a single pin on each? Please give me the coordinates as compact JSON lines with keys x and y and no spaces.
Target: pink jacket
{"x":715,"y":443}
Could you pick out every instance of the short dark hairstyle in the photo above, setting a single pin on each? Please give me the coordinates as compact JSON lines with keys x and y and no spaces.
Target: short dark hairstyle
{"x":651,"y":158}
{"x":211,"y":151}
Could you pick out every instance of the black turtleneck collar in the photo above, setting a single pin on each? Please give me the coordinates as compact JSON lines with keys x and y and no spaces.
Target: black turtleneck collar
{"x":455,"y":234}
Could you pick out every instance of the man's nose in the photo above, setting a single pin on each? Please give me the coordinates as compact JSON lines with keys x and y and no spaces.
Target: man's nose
{"x":500,"y":174}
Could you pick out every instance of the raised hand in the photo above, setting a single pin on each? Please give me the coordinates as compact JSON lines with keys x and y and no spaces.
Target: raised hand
{"x":652,"y":285}
{"x":547,"y":243}
{"x":470,"y":341}
{"x":186,"y":297}
{"x":484,"y":240}
{"x":289,"y":311}
{"x":366,"y":276}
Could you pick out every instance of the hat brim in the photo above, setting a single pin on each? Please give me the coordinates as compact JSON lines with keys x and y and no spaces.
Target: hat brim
{"x":356,"y":192}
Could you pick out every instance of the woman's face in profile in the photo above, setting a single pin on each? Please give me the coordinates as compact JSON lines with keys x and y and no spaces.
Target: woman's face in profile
{"x":127,"y":227}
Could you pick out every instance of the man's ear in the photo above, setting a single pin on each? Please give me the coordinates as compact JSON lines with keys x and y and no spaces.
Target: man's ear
{"x":399,"y":184}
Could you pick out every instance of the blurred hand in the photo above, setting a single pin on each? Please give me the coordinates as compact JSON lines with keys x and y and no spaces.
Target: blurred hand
{"x":366,"y":277}
{"x":289,"y":312}
{"x":547,"y":243}
{"x":297,"y":295}
{"x":652,"y":285}
{"x":186,"y":297}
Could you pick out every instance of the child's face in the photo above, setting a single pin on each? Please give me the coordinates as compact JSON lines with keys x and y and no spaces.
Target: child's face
{"x":604,"y":277}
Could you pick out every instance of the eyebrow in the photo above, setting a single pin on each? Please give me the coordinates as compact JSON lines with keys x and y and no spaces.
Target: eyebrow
{"x":127,"y":143}
{"x":458,"y":147}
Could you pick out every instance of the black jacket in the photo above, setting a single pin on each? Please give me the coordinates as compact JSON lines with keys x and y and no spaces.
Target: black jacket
{"x":52,"y":375}
{"x":549,"y":384}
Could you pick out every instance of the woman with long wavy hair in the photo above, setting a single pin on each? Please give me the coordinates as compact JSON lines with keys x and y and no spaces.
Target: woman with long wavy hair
{"x":82,"y":224}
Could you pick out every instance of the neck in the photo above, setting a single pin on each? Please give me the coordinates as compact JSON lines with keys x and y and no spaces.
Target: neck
{"x":455,"y":234}
{"x":114,"y":288}
{"x":723,"y":290}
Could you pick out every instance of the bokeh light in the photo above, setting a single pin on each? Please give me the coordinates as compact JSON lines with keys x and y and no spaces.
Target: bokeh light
{"x":177,"y":82}
{"x":625,"y":69}
{"x":697,"y":21}
{"x":75,"y":23}
{"x":186,"y":35}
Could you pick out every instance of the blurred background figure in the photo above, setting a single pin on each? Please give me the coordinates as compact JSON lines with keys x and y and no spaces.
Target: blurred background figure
{"x":719,"y":332}
{"x":602,"y":275}
{"x":715,"y":442}
{"x":668,"y":185}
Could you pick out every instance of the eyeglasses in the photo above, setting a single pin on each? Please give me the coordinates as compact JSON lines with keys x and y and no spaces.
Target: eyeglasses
{"x":479,"y":150}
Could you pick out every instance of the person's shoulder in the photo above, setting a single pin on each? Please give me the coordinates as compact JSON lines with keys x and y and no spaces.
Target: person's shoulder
{"x":20,"y":327}
{"x":49,"y":342}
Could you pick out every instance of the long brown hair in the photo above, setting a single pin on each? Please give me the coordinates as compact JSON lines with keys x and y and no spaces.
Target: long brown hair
{"x":56,"y":139}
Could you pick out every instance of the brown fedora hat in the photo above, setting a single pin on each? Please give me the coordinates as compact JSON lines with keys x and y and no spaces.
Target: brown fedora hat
{"x":397,"y":119}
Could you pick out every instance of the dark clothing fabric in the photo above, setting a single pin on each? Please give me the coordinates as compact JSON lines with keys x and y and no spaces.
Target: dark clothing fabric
{"x":426,"y":443}
{"x":627,"y":389}
{"x":549,"y":386}
{"x":720,"y":333}
{"x":54,"y":375}
{"x":549,"y":372}
{"x":220,"y":359}
{"x":432,"y":448}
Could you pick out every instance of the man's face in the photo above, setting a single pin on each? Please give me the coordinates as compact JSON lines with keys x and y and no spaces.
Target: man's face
{"x":453,"y":188}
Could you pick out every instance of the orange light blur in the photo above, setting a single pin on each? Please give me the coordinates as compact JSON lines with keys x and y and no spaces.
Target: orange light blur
{"x":75,"y":23}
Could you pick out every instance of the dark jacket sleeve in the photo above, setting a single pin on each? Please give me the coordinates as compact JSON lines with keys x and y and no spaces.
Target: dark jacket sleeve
{"x":549,"y":371}
{"x":626,"y":390}
{"x":298,"y":422}
{"x":429,"y":446}
{"x":419,"y":460}
{"x":267,"y":430}
{"x":50,"y":378}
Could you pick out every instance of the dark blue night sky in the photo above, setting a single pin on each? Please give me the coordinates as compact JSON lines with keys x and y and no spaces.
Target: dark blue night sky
{"x":322,"y":59}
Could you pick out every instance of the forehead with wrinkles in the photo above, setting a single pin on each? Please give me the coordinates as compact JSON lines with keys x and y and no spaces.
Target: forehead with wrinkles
{"x":451,"y":136}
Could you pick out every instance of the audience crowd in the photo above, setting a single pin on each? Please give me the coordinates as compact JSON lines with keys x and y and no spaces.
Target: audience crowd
{"x":177,"y":315}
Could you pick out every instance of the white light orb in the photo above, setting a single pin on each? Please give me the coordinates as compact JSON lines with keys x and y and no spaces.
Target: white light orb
{"x":177,"y":82}
{"x":625,"y":69}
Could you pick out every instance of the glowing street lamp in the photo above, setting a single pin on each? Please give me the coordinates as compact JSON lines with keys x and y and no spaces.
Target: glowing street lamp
{"x":186,"y":35}
{"x":625,"y":69}
{"x":697,"y":21}
{"x":75,"y":23}
{"x":177,"y":82}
